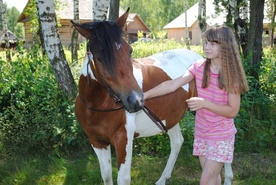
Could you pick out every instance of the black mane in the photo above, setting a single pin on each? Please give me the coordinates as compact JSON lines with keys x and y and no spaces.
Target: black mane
{"x":105,"y":34}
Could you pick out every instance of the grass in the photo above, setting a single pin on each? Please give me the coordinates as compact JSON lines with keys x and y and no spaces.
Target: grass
{"x":81,"y":167}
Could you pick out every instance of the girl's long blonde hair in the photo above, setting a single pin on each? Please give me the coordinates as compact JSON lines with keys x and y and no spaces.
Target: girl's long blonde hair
{"x":232,"y":77}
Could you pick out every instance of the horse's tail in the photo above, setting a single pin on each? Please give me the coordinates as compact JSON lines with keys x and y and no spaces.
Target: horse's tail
{"x":192,"y":88}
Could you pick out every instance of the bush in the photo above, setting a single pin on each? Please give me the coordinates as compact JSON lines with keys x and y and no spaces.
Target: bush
{"x":256,"y":119}
{"x":35,"y":115}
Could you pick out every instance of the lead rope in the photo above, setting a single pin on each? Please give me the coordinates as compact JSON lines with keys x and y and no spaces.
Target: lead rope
{"x":155,"y":119}
{"x":147,"y":111}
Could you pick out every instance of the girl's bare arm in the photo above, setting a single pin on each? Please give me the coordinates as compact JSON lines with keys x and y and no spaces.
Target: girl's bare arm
{"x":169,"y":86}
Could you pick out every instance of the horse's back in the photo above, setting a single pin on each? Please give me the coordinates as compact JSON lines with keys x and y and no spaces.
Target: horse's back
{"x":175,"y":62}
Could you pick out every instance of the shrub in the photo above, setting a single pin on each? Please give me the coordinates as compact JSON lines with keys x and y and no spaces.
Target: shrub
{"x":34,"y":113}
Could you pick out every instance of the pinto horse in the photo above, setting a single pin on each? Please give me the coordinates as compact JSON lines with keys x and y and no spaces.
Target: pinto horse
{"x":110,"y":104}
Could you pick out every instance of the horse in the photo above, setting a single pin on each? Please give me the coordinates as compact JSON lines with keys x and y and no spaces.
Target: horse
{"x":110,"y":106}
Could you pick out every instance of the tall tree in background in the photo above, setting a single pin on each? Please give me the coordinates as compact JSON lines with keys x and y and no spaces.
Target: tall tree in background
{"x":114,"y":10}
{"x":271,"y":13}
{"x":100,"y":10}
{"x":241,"y":25}
{"x":254,"y":46}
{"x":202,"y":15}
{"x":75,"y":34}
{"x":53,"y":47}
{"x":5,"y":30}
{"x":186,"y":25}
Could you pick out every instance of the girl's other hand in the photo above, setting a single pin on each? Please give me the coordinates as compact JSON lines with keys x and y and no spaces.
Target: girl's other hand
{"x":195,"y":103}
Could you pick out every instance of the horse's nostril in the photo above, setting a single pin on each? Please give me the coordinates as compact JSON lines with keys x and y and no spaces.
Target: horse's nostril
{"x":135,"y":102}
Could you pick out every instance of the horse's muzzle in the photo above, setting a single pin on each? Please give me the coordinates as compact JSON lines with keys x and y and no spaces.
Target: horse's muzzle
{"x":134,"y":101}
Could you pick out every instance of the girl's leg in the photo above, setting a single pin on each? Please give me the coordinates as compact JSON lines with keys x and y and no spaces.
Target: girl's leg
{"x":210,"y":171}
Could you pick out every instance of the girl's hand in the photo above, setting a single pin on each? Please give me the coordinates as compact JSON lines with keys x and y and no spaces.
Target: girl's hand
{"x":195,"y":103}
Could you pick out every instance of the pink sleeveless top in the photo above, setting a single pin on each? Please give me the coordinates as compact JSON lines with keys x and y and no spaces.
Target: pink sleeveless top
{"x":209,"y":125}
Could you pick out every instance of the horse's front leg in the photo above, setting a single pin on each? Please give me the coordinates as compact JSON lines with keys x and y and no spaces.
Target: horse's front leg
{"x":228,"y":174}
{"x":104,"y":157}
{"x":176,"y":140}
{"x":123,"y":143}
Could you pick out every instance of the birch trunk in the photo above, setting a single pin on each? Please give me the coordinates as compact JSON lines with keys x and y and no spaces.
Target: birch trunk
{"x":202,"y":15}
{"x":273,"y":6}
{"x":244,"y":11}
{"x":233,"y":9}
{"x":186,"y":25}
{"x":53,"y":47}
{"x":75,"y":34}
{"x":5,"y":30}
{"x":100,"y":10}
{"x":241,"y":27}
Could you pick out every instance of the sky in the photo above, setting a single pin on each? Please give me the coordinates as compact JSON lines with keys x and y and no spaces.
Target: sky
{"x":18,"y":4}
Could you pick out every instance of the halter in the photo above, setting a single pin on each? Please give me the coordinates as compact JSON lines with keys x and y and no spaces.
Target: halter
{"x":111,"y":92}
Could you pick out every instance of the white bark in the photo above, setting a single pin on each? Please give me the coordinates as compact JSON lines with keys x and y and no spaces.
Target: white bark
{"x":186,"y":25}
{"x":233,"y":9}
{"x":75,"y":34}
{"x":202,"y":15}
{"x":245,"y":11}
{"x":4,"y":24}
{"x":53,"y":47}
{"x":100,"y":10}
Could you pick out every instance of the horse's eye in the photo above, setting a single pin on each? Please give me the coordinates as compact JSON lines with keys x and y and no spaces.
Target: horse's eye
{"x":130,"y":51}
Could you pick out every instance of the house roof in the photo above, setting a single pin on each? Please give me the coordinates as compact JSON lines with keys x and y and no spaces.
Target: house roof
{"x":85,"y":6}
{"x":213,"y":19}
{"x":12,"y":40}
{"x":11,"y":36}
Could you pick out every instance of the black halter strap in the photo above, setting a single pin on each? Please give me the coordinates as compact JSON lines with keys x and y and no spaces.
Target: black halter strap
{"x":111,"y":92}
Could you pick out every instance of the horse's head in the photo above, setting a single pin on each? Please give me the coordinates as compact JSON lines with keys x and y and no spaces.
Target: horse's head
{"x":112,"y":60}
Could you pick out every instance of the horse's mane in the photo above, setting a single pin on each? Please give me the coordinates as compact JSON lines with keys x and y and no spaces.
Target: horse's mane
{"x":104,"y":36}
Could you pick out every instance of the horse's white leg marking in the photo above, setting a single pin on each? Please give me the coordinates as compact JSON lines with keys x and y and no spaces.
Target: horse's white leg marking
{"x":176,"y":140}
{"x":125,"y":169}
{"x":228,"y":174}
{"x":104,"y":157}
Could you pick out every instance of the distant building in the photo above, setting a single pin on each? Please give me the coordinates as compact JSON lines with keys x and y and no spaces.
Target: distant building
{"x":12,"y":40}
{"x":176,"y":29}
{"x":65,"y":14}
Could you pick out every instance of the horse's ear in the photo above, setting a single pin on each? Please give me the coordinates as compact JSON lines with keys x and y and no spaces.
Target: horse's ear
{"x":122,"y":20}
{"x":82,"y":29}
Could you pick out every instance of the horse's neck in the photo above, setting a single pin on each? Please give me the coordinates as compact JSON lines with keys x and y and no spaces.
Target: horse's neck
{"x":93,"y":93}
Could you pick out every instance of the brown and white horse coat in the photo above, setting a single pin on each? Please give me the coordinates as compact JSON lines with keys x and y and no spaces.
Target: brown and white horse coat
{"x":128,"y":80}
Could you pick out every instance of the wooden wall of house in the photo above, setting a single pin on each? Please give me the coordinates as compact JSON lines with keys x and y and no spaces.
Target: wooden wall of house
{"x":65,"y":30}
{"x":179,"y":34}
{"x":136,"y":25}
{"x":28,"y":34}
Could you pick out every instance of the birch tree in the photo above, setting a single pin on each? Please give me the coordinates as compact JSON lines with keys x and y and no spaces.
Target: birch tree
{"x":75,"y":34}
{"x":241,"y":26}
{"x":271,"y":13}
{"x":5,"y":30}
{"x":100,"y":10}
{"x":186,"y":25}
{"x":202,"y":15}
{"x":53,"y":47}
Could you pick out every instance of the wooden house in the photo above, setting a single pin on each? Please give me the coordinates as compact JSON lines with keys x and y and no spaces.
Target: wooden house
{"x":176,"y":29}
{"x":65,"y":14}
{"x":12,"y":39}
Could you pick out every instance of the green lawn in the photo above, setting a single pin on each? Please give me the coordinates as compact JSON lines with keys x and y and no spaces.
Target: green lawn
{"x":83,"y":168}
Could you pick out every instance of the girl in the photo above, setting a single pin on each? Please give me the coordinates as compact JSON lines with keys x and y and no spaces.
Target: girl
{"x":220,"y":81}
